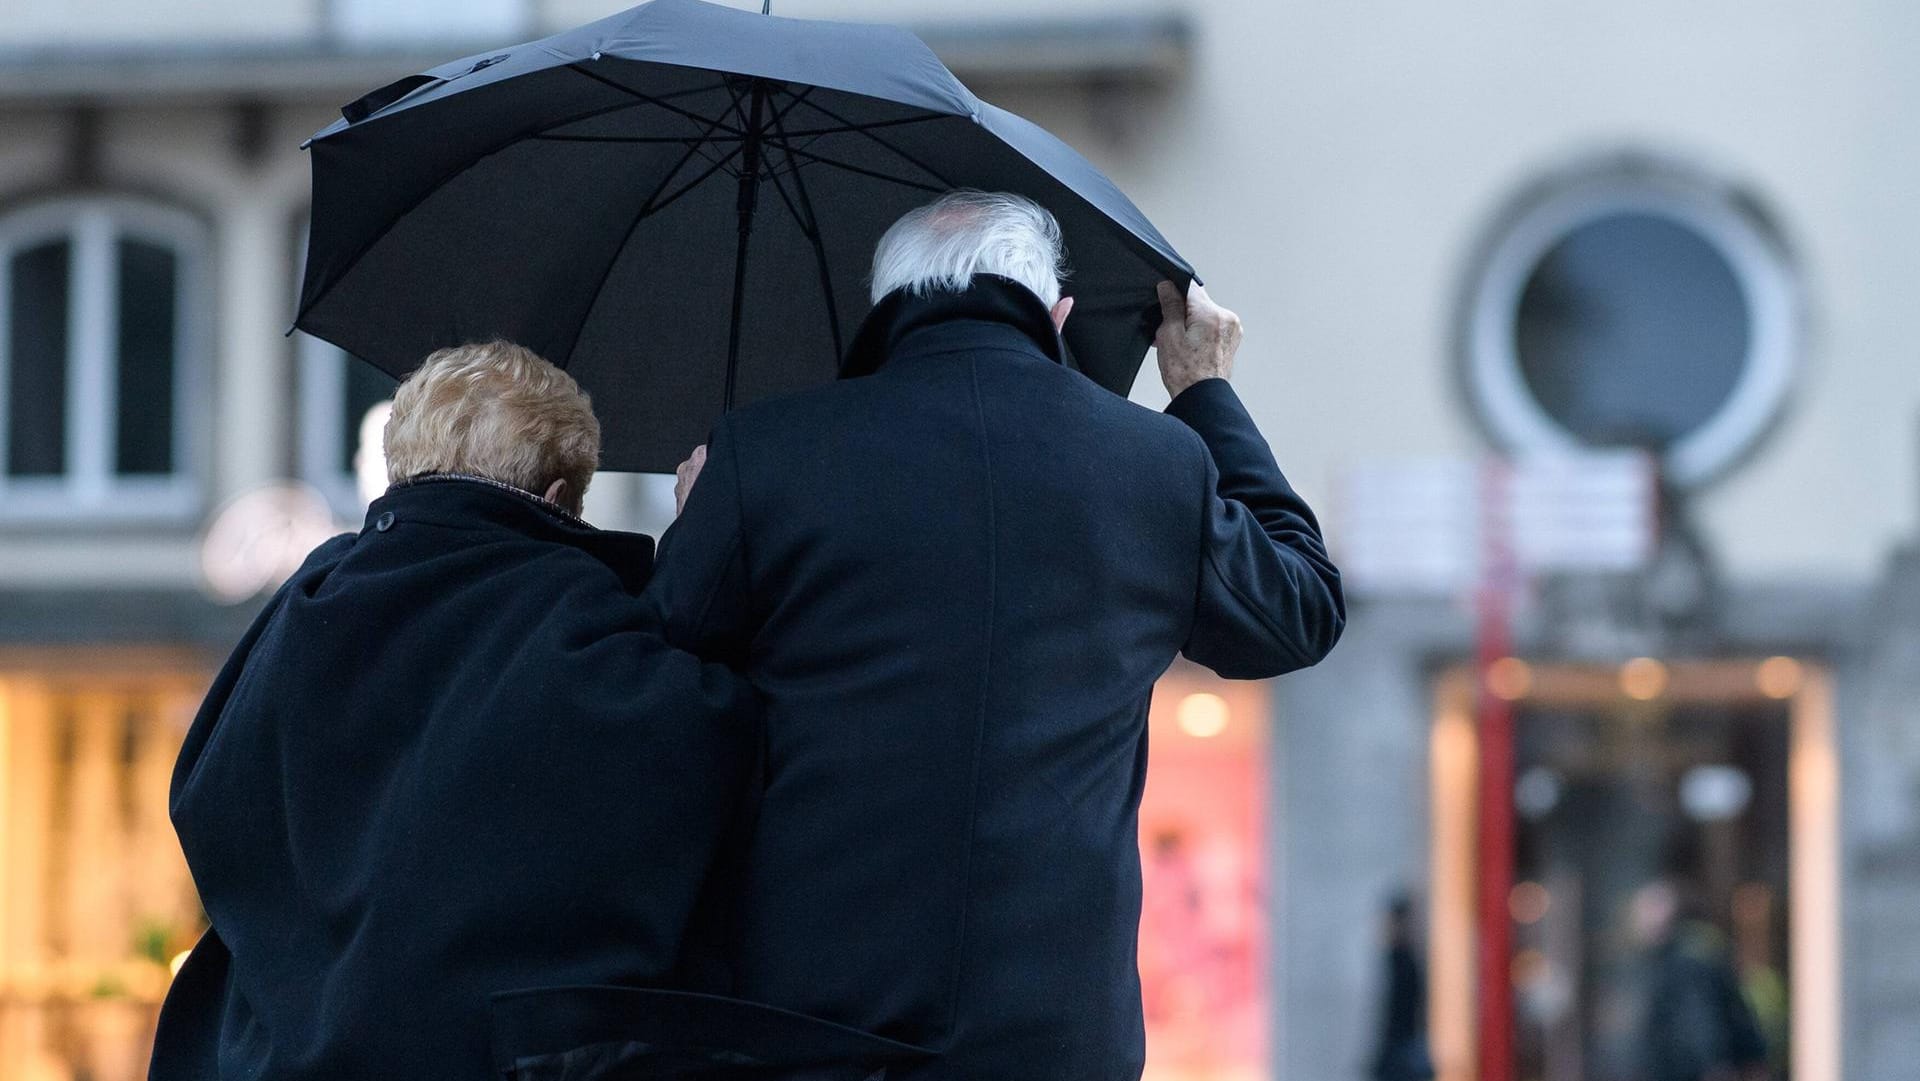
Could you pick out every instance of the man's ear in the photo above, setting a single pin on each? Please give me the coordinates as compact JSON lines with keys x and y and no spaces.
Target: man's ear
{"x":557,"y":493}
{"x":1060,"y":310}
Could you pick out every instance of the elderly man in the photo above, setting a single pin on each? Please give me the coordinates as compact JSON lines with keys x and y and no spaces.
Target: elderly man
{"x":955,"y":579}
{"x":450,"y":759}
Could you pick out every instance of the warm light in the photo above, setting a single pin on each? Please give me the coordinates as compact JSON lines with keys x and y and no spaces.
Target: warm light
{"x":1529,"y":966}
{"x":1529,"y":902}
{"x":1643,"y":679}
{"x":260,"y":538}
{"x":179,"y":961}
{"x":1203,"y":715}
{"x":1509,"y":678}
{"x":1778,"y":677}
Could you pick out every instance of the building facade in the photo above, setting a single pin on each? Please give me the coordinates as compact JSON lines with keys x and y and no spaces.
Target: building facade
{"x":1453,"y":230}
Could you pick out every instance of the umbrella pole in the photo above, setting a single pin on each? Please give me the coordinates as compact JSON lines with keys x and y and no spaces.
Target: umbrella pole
{"x":749,"y":198}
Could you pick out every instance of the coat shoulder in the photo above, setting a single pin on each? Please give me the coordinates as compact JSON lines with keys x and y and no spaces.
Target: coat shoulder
{"x":319,"y":564}
{"x":1148,"y":431}
{"x":797,"y":409}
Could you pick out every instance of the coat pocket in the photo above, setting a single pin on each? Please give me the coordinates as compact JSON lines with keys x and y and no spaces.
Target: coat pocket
{"x":633,"y":1034}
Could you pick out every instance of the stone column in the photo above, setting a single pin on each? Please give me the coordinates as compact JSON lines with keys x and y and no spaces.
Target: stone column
{"x":252,"y":284}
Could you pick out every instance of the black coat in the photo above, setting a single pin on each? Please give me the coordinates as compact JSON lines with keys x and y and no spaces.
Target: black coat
{"x":955,"y":581}
{"x":454,"y":759}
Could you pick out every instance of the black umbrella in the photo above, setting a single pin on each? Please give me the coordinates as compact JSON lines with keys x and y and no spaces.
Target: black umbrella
{"x":679,"y":204}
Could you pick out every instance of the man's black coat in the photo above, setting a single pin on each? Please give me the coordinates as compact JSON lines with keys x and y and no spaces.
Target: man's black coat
{"x":955,"y":581}
{"x":453,"y":759}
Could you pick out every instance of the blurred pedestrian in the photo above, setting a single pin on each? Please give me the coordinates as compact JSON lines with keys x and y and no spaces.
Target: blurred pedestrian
{"x":1698,"y":1024}
{"x":1403,"y":1053}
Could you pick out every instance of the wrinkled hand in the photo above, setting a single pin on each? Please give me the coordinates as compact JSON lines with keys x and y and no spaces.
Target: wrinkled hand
{"x":1197,"y":338}
{"x":684,"y":475}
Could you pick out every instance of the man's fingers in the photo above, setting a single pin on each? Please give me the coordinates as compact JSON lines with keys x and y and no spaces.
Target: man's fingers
{"x":694,"y":461}
{"x":1172,"y":308}
{"x":1200,"y":306}
{"x":685,"y":474}
{"x":1203,"y":310}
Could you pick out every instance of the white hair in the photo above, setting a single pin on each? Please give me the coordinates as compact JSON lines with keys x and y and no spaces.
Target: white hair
{"x":944,"y":244}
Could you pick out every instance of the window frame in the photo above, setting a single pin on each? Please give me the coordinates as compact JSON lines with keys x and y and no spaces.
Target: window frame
{"x":1717,"y":213}
{"x":90,"y":487}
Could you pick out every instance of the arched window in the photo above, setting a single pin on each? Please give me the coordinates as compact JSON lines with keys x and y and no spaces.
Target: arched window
{"x":102,"y":332}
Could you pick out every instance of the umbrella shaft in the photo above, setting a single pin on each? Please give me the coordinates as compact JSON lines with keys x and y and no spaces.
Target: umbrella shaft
{"x":749,"y":198}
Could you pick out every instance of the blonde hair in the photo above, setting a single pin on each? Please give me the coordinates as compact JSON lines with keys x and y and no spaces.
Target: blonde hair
{"x":494,"y":410}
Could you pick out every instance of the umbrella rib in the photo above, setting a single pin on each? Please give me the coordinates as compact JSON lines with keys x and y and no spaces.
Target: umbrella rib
{"x":595,"y":114}
{"x":307,"y":305}
{"x":652,"y":205}
{"x":780,"y":115}
{"x":717,"y":165}
{"x":889,"y":178}
{"x":693,"y":142}
{"x":810,"y":226}
{"x":661,"y":102}
{"x":777,"y":88}
{"x":779,"y":118}
{"x":861,"y":130}
{"x":845,"y":128}
{"x":681,"y":140}
{"x":798,"y":100}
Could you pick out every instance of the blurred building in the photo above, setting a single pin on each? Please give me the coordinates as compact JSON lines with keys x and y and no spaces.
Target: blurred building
{"x":1452,"y":229}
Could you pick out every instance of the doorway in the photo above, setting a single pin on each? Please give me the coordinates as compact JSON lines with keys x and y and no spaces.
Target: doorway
{"x":1653,"y":800}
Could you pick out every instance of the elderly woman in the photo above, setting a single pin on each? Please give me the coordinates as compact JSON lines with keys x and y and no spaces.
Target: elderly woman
{"x":451,"y":758}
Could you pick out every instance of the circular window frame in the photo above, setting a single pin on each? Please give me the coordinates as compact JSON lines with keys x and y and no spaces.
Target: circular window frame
{"x":1730,"y":222}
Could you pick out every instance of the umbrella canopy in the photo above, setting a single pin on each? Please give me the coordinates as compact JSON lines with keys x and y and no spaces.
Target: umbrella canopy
{"x":679,"y":205}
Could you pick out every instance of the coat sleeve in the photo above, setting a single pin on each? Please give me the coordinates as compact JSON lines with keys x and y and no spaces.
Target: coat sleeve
{"x":1268,"y":599}
{"x":699,"y":589}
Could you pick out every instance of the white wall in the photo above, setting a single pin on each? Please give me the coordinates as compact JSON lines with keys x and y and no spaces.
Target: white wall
{"x":113,"y":22}
{"x":1328,"y":168}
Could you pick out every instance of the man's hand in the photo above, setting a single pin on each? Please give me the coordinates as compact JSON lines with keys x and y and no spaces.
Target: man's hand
{"x":684,"y":476}
{"x":1197,"y":338}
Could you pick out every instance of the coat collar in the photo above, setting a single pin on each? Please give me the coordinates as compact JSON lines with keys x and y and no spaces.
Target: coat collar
{"x":478,"y":503}
{"x":989,"y":299}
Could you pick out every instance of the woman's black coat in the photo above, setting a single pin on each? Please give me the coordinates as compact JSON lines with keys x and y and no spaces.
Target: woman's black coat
{"x":450,"y":761}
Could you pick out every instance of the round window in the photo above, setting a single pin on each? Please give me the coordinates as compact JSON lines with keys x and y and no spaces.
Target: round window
{"x":1633,"y":306}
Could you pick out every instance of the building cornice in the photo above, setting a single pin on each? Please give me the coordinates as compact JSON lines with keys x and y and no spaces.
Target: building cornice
{"x":1105,"y":50}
